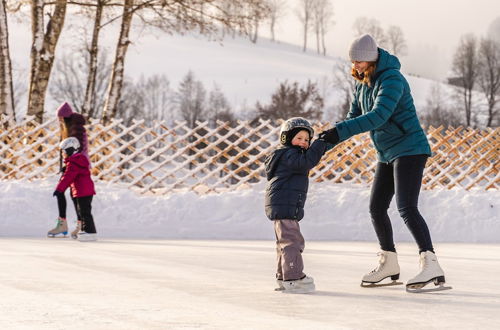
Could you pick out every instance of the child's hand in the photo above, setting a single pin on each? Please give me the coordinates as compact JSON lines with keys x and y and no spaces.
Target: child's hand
{"x":57,"y":193}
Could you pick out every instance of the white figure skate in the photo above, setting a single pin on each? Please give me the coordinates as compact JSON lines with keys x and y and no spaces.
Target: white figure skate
{"x":86,"y":237}
{"x":304,"y":285}
{"x":388,"y":267}
{"x":430,"y":271}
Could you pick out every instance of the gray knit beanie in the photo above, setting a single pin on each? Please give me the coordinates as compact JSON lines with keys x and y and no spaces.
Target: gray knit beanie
{"x":363,"y":49}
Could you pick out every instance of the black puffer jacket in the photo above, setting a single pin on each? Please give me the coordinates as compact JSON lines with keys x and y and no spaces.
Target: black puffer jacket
{"x":287,"y":170}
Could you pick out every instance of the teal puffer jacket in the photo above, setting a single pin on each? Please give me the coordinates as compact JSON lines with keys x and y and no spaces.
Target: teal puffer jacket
{"x":386,"y":110}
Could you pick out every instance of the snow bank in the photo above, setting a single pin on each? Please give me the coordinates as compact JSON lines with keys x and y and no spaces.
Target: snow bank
{"x":333,"y":212}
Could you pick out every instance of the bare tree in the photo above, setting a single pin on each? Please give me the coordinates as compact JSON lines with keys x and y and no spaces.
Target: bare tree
{"x":322,"y":20}
{"x":93,"y":50}
{"x":290,"y":100}
{"x":158,"y":97}
{"x":116,"y":80}
{"x":69,"y":77}
{"x":191,"y":99}
{"x":343,"y":80}
{"x":131,"y":105}
{"x":6,"y":82}
{"x":489,"y":75}
{"x":465,"y":68}
{"x":218,"y":106}
{"x":43,"y":51}
{"x":396,"y":41}
{"x":276,"y":12}
{"x":436,"y":110}
{"x":304,"y":13}
{"x":371,"y":26}
{"x":177,"y":16}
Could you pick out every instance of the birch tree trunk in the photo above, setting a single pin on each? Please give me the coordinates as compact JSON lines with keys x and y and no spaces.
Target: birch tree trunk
{"x":89,"y":102}
{"x":116,"y":81}
{"x":42,"y":53}
{"x":6,"y":89}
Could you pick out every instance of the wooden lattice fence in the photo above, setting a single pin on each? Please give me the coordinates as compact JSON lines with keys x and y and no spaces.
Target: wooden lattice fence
{"x":160,"y":157}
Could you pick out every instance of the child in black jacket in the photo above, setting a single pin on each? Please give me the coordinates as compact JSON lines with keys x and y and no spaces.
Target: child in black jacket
{"x":287,"y":170}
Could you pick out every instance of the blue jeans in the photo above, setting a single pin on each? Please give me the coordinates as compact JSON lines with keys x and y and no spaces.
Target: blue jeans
{"x":403,"y":178}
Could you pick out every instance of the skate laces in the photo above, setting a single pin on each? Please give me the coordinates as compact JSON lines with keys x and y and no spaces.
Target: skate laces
{"x":423,"y":262}
{"x":381,"y":261}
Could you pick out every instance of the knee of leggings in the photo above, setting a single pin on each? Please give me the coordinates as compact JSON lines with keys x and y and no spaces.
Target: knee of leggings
{"x":409,"y":212}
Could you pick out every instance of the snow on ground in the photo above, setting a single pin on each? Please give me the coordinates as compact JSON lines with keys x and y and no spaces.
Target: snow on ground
{"x":188,"y":261}
{"x":332,"y":212}
{"x":190,"y":284}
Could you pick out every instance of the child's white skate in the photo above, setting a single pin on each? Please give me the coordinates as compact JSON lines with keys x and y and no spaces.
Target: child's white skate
{"x":60,"y":230}
{"x":304,"y":285}
{"x":430,"y":272}
{"x":388,"y":267}
{"x":87,"y":237}
{"x":78,"y":228}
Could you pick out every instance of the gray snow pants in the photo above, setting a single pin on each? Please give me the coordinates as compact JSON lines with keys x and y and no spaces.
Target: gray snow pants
{"x":289,"y":247}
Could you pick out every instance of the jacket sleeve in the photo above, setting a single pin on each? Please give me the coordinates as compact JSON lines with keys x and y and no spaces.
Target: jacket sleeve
{"x":388,"y":96}
{"x":354,"y":110}
{"x":67,"y":178}
{"x":303,"y":160}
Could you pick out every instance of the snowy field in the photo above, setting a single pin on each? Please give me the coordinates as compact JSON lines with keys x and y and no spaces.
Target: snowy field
{"x":222,"y":284}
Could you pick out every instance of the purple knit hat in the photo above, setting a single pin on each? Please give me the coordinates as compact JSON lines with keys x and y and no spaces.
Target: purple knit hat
{"x":64,"y":110}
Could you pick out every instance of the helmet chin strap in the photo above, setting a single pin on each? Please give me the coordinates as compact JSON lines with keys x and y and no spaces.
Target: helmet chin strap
{"x":69,"y":151}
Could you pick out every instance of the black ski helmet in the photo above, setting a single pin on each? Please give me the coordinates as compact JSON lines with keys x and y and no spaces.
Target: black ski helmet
{"x":293,"y":125}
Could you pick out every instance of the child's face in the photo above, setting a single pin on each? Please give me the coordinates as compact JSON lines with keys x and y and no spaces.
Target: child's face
{"x":301,"y":139}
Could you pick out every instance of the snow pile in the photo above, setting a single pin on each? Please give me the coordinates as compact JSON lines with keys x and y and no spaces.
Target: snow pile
{"x":333,"y":212}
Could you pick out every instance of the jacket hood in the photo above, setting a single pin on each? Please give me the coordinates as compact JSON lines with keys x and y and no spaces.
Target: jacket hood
{"x":272,"y":161}
{"x":78,"y":159}
{"x":386,"y":61}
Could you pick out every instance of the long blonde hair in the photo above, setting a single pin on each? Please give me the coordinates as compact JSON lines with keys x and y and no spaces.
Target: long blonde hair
{"x":365,"y":77}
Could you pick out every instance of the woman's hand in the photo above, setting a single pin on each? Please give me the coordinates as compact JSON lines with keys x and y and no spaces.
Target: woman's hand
{"x":330,"y":136}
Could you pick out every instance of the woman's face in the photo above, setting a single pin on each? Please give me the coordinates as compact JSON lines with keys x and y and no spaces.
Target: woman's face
{"x":360,"y":67}
{"x":301,"y":139}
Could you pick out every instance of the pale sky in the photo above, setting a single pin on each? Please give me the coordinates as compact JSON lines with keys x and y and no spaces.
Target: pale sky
{"x":432,"y":28}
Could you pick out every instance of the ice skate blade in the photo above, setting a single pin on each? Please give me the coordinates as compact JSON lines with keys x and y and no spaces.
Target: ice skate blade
{"x":298,"y":291}
{"x":420,"y":288}
{"x":374,"y":285}
{"x":87,"y":237}
{"x":279,"y":289}
{"x":60,"y":235}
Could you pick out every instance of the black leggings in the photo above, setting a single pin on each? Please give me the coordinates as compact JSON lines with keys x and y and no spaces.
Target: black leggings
{"x":83,"y":209}
{"x":61,"y":205}
{"x":402,"y":177}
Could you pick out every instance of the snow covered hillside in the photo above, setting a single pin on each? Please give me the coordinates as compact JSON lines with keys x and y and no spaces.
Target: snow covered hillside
{"x":333,"y":212}
{"x":246,"y":72}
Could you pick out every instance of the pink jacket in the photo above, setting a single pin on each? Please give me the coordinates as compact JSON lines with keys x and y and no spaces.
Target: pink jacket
{"x":77,"y":176}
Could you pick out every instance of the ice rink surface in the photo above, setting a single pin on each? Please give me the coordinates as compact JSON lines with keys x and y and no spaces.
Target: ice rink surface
{"x":193,"y":284}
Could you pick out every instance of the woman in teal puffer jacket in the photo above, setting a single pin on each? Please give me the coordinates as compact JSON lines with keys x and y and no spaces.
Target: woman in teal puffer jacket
{"x":383,"y":105}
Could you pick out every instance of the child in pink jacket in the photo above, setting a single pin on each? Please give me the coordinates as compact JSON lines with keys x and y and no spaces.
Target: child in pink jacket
{"x":77,"y":177}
